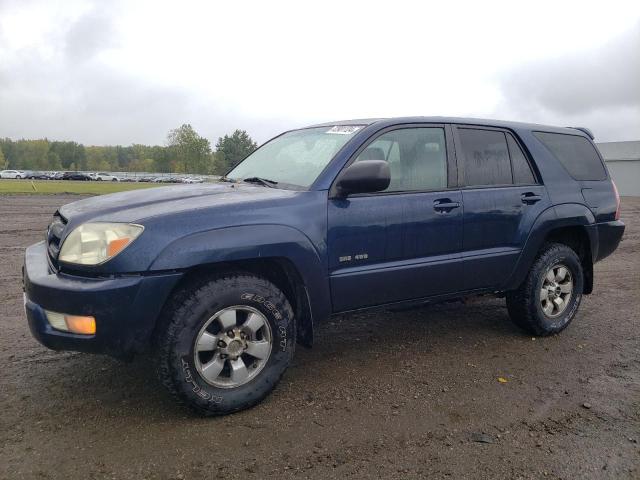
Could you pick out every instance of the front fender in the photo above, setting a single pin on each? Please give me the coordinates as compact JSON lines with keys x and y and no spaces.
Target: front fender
{"x":564,"y":215}
{"x":251,"y":242}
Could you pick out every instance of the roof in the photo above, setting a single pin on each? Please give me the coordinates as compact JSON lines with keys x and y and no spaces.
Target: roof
{"x":467,"y":121}
{"x":620,"y":151}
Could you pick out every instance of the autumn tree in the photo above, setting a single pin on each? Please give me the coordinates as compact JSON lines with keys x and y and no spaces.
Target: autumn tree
{"x":192,"y":152}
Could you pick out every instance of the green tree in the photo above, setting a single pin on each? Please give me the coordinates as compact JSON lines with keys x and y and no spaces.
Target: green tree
{"x":70,"y":153}
{"x":3,"y":162}
{"x":234,"y":149}
{"x":192,"y":152}
{"x":8,"y":147}
{"x":32,"y":154}
{"x":53,"y":161}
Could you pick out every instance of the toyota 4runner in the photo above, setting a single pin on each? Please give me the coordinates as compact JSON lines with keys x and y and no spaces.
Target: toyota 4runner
{"x":222,"y":280}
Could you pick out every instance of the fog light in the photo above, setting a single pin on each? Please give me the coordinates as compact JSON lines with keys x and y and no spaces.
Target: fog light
{"x":57,"y":321}
{"x":72,"y":323}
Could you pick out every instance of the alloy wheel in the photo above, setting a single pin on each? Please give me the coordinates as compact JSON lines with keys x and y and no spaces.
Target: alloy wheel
{"x":556,"y":291}
{"x":233,"y":346}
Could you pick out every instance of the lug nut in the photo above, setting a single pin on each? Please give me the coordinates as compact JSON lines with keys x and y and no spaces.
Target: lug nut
{"x":230,"y":333}
{"x":222,"y":344}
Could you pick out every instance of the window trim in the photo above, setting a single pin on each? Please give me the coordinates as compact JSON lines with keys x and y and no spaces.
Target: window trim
{"x":505,"y":131}
{"x":527,"y":158}
{"x":452,"y":170}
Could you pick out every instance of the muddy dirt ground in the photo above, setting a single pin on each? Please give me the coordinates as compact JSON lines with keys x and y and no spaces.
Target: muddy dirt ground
{"x":410,"y":394}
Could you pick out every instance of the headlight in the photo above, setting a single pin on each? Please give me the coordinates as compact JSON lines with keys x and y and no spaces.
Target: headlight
{"x":95,"y":243}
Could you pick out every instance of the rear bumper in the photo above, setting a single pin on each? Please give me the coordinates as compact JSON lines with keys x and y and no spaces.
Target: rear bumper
{"x":609,"y":235}
{"x":125,"y":308}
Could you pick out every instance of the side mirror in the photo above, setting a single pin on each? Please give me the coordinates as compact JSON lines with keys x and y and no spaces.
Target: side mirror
{"x":365,"y":176}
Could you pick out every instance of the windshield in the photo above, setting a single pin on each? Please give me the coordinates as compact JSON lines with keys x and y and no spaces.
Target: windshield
{"x":295,"y":158}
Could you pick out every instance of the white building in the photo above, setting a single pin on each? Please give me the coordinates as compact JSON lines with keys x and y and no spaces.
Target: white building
{"x":623,"y":162}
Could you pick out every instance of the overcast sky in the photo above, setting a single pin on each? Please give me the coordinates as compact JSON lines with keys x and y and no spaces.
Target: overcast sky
{"x":107,"y":72}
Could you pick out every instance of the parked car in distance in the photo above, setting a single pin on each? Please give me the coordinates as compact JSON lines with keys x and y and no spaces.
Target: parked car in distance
{"x":76,"y":176}
{"x":12,"y":174}
{"x":221,"y":280}
{"x":38,"y":175}
{"x":192,"y":180}
{"x":102,"y":176}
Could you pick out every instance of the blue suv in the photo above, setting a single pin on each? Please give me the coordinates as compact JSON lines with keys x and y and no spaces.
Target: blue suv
{"x":220,"y":281}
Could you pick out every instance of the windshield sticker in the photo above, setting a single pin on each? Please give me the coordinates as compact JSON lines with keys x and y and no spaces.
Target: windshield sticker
{"x":344,"y":129}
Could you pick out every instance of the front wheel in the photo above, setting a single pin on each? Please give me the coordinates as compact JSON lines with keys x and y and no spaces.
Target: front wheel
{"x":549,"y":297}
{"x":225,"y":343}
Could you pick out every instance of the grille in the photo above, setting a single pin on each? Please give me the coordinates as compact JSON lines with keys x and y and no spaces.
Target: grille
{"x":54,"y":234}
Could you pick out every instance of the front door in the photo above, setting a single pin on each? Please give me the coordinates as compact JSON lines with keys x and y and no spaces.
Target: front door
{"x":403,"y":243}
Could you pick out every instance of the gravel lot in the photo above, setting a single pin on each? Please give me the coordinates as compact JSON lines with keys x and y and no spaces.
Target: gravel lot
{"x":411,"y":394}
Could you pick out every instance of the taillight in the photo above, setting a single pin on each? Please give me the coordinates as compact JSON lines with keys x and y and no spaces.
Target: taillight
{"x":615,"y":189}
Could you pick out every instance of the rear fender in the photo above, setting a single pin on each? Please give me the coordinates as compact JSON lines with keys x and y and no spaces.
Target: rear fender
{"x":564,"y":215}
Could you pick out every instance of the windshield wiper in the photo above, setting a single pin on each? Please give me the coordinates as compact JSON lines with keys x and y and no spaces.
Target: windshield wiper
{"x":262,"y":181}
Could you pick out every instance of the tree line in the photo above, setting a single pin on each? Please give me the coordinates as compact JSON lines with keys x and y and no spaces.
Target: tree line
{"x":185,"y":152}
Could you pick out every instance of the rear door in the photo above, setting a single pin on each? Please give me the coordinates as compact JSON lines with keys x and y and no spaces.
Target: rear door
{"x":403,"y":243}
{"x":502,"y":198}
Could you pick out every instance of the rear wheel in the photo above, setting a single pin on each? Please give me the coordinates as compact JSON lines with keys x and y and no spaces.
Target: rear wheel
{"x":225,"y":343}
{"x":549,"y":297}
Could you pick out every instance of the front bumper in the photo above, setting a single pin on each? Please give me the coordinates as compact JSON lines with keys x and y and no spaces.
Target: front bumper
{"x":125,"y":307}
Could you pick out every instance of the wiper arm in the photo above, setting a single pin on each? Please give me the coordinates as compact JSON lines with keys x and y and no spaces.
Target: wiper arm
{"x":262,"y":181}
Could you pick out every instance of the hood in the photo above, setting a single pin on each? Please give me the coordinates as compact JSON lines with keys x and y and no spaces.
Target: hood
{"x":138,"y":205}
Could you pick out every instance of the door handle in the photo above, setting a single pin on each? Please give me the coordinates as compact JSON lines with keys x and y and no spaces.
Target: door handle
{"x":445,"y":205}
{"x":530,"y":198}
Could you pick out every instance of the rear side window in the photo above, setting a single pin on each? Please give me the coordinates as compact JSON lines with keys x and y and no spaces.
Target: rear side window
{"x":575,"y":153}
{"x":522,"y":173}
{"x":485,"y":157}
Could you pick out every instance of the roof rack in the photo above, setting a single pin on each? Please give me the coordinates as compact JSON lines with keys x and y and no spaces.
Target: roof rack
{"x":585,"y":130}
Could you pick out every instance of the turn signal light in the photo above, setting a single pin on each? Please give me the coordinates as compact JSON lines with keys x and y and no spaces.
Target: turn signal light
{"x":115,"y":246}
{"x":83,"y":325}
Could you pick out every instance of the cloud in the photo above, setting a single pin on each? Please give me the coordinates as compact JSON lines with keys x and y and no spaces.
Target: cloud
{"x":89,"y":35}
{"x":129,"y":71}
{"x":600,"y":87}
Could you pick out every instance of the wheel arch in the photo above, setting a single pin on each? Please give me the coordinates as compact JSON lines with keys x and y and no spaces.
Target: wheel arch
{"x":280,"y":254}
{"x":568,"y":224}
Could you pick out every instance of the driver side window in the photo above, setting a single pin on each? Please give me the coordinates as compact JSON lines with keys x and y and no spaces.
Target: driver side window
{"x":417,"y":158}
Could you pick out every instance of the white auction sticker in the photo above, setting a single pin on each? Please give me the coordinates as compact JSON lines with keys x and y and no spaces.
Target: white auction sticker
{"x":344,"y":129}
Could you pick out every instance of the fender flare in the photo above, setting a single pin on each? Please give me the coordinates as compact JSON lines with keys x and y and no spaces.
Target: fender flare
{"x":558,"y":216}
{"x":250,"y":242}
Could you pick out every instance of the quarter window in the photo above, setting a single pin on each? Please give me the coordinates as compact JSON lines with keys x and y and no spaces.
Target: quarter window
{"x":576,"y":153}
{"x":485,"y":157}
{"x":417,"y":158}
